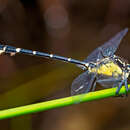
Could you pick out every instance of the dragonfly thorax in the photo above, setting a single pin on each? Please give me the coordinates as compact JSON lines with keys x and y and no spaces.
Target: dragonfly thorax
{"x":108,"y":67}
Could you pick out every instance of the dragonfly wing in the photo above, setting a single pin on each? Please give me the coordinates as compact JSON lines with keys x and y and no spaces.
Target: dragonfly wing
{"x":109,"y":82}
{"x":108,"y":48}
{"x":83,"y":83}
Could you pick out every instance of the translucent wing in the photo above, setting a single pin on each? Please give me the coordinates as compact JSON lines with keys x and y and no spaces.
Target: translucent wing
{"x":108,"y":49}
{"x":83,"y":83}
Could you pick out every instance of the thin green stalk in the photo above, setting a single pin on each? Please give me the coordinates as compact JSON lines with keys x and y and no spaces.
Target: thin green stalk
{"x":28,"y":109}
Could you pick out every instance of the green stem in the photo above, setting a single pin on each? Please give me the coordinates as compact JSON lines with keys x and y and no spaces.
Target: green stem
{"x":28,"y":109}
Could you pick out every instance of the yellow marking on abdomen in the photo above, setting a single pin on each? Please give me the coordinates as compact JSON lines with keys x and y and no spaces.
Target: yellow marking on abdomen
{"x":108,"y":69}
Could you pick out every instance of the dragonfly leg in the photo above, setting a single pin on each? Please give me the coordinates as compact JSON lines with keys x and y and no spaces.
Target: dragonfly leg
{"x":119,"y":87}
{"x":126,"y":86}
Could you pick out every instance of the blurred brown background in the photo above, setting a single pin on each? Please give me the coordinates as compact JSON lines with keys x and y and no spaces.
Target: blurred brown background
{"x":70,"y":28}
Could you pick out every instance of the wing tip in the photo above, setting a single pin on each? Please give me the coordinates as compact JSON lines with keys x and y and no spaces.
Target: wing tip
{"x":125,"y":31}
{"x":119,"y":36}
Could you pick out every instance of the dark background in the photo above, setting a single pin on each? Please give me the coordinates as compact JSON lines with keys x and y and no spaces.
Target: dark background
{"x":70,"y":28}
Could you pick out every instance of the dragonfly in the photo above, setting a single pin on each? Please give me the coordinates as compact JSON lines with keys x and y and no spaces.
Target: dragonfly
{"x":101,"y":66}
{"x":108,"y":69}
